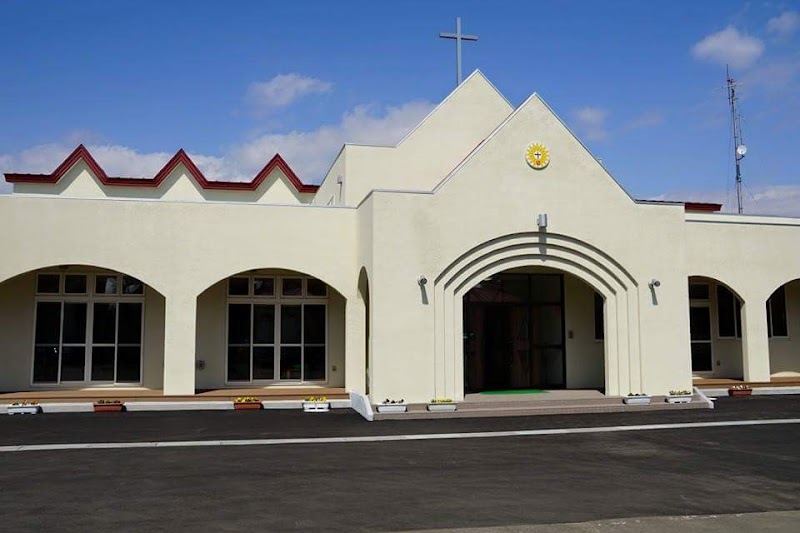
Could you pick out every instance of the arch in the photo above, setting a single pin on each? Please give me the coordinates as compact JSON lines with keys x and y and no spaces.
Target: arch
{"x":338,"y":286}
{"x":250,"y":362}
{"x":28,"y":269}
{"x":779,"y":285}
{"x":719,"y":281}
{"x":623,"y":372}
{"x":725,"y":357}
{"x":783,"y":330}
{"x":102,"y":296}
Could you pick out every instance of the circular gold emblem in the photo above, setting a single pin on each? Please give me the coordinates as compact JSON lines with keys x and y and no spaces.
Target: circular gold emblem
{"x":537,"y":156}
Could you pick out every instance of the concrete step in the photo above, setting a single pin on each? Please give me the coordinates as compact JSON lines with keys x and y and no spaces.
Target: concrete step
{"x":419,"y":411}
{"x":512,"y":404}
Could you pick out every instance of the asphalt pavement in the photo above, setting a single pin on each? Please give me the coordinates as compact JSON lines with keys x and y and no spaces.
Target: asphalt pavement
{"x":504,"y":483}
{"x":214,"y":425}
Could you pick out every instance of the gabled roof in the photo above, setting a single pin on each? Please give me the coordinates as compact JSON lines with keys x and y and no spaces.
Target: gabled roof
{"x":181,"y":157}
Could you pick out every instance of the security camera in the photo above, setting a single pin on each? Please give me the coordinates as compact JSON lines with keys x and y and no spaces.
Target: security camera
{"x":654,"y":283}
{"x":422,"y":281}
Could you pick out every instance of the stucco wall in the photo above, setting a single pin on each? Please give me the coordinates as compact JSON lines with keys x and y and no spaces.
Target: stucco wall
{"x":427,"y":153}
{"x":753,"y":255}
{"x":180,"y":249}
{"x":495,"y":194}
{"x":585,"y":357}
{"x":16,"y":332}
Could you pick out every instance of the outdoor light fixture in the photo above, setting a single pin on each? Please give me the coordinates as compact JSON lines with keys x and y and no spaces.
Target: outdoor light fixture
{"x":422,"y":281}
{"x":541,"y":220}
{"x":654,"y":283}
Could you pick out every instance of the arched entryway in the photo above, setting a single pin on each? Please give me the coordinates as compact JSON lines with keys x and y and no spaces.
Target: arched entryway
{"x":270,"y":328}
{"x":715,"y":327}
{"x":783,"y":329}
{"x":80,"y":326}
{"x":533,"y":328}
{"x":618,"y":290}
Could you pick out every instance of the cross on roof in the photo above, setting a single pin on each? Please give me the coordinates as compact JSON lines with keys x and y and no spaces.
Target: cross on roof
{"x":458,"y":36}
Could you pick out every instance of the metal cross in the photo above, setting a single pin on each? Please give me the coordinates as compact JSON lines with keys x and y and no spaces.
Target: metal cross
{"x":458,"y":36}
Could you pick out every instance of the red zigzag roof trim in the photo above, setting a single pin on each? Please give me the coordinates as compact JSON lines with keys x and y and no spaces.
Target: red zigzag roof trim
{"x":181,"y":157}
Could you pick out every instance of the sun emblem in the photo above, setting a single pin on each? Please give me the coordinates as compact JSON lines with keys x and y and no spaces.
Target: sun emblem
{"x":537,"y":156}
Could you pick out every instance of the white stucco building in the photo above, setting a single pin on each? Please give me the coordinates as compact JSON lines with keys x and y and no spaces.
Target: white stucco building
{"x":548,"y":277}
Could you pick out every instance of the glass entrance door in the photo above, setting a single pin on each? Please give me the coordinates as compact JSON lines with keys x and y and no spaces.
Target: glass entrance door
{"x":700,"y":331}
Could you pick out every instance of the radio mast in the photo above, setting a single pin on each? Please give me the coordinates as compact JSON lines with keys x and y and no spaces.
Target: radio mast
{"x":739,"y":148}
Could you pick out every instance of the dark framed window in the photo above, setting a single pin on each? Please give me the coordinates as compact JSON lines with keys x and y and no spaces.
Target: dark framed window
{"x":83,"y":337}
{"x":777,"y":320}
{"x":699,"y":291}
{"x":729,"y":314}
{"x":276,"y":335}
{"x":599,"y":321}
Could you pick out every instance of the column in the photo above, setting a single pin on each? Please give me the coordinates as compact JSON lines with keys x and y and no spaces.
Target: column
{"x":355,"y":353}
{"x":180,"y":325}
{"x":755,"y":340}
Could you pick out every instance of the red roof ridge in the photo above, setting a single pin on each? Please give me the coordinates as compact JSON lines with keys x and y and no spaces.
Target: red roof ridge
{"x":180,"y":157}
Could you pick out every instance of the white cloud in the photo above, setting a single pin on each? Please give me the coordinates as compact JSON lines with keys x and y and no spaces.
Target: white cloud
{"x":766,"y":200}
{"x":591,"y":121}
{"x":283,"y":90}
{"x":309,"y":152}
{"x":729,"y":47}
{"x":785,"y":24}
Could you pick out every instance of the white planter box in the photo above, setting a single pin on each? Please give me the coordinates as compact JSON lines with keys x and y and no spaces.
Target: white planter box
{"x":637,"y":400}
{"x":679,"y":399}
{"x":392,"y":408}
{"x":316,"y":407}
{"x":441,"y":407}
{"x":23,"y":409}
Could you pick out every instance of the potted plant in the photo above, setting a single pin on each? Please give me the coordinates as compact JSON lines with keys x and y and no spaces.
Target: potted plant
{"x":441,"y":405}
{"x":740,"y":390}
{"x":637,"y":399}
{"x":246,"y":403}
{"x":316,"y":404}
{"x":108,"y":406}
{"x":392,"y":406}
{"x":679,"y":396}
{"x":25,"y":407}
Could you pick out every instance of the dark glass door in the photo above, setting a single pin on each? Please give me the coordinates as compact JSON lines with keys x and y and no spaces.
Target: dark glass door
{"x":514,"y":333}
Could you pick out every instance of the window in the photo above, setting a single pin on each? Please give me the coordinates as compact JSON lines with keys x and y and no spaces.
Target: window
{"x":699,"y":291}
{"x":292,"y":287}
{"x":729,"y":314}
{"x":599,"y":325}
{"x":276,"y":336}
{"x":81,"y":337}
{"x":776,"y":314}
{"x":48,"y":283}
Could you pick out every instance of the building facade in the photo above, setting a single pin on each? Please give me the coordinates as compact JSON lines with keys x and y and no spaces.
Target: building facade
{"x":487,"y":250}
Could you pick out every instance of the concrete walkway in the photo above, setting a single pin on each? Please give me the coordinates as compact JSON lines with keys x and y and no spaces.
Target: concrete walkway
{"x":777,"y":522}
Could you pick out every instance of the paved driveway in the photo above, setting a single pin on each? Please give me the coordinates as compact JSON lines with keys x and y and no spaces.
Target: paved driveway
{"x":396,"y":485}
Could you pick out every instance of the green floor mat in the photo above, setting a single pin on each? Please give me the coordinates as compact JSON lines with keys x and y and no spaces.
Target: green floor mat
{"x":515,"y":391}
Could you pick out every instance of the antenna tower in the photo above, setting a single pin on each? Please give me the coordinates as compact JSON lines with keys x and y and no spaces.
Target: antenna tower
{"x":739,"y":148}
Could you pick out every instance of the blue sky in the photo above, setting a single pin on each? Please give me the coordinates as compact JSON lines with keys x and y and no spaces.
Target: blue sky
{"x":641,"y":83}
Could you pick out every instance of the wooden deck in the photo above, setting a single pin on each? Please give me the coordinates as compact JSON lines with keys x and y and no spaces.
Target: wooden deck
{"x":718,"y":383}
{"x":157,"y":395}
